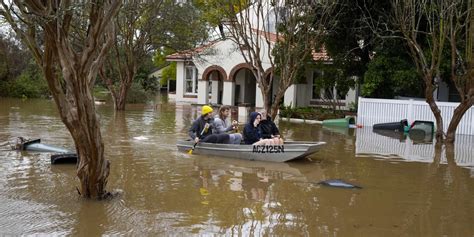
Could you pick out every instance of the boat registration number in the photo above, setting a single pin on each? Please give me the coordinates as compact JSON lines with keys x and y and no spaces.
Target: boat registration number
{"x":268,"y":149}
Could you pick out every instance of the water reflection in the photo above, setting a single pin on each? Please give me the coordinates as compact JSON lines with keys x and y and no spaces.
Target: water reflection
{"x":249,"y":198}
{"x":383,"y":146}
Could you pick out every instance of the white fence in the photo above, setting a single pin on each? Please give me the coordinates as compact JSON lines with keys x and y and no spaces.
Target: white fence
{"x":369,"y":143}
{"x":372,"y":111}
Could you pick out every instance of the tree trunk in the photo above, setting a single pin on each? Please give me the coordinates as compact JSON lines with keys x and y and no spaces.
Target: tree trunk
{"x":276,"y":105}
{"x":125,"y":85}
{"x":120,"y":100}
{"x":434,"y":108}
{"x":457,"y":116}
{"x":93,"y":169}
{"x":79,"y":115}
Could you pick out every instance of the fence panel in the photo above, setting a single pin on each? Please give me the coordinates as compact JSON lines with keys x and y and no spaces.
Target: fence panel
{"x":372,"y":111}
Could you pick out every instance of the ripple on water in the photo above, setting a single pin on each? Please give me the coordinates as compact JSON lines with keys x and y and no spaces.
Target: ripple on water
{"x":28,"y":217}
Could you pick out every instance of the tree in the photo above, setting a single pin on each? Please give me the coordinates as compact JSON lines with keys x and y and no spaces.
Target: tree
{"x":69,"y":41}
{"x":283,"y":32}
{"x":432,"y":30}
{"x":391,"y":73}
{"x":144,"y":25}
{"x":134,"y":24}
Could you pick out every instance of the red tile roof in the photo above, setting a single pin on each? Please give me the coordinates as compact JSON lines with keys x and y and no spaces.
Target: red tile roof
{"x":320,"y":55}
{"x":188,"y":54}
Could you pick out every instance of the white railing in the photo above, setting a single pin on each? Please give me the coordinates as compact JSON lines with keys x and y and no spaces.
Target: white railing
{"x":372,"y":111}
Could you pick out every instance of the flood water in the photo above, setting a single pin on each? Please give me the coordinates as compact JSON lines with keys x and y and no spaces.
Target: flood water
{"x":408,"y":189}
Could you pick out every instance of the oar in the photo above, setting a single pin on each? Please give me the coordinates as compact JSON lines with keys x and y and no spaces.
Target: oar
{"x":192,"y":149}
{"x":202,"y":132}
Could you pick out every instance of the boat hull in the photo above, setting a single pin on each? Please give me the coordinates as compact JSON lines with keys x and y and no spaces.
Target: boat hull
{"x":274,"y":153}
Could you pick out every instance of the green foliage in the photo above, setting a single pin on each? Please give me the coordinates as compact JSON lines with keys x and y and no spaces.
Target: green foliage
{"x":215,"y":11}
{"x":136,"y":94}
{"x":353,"y":106}
{"x":330,"y":76}
{"x":311,"y":113}
{"x":149,"y":84}
{"x":179,"y":27}
{"x":101,"y":92}
{"x":388,"y":76}
{"x":168,"y":73}
{"x":169,"y":68}
{"x":30,"y":84}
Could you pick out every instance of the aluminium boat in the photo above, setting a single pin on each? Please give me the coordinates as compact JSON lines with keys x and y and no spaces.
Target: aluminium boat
{"x":291,"y":150}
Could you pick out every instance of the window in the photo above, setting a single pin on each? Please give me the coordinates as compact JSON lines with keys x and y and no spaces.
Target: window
{"x":325,"y":93}
{"x":190,"y":80}
{"x":209,"y":85}
{"x":341,"y":96}
{"x":316,"y":94}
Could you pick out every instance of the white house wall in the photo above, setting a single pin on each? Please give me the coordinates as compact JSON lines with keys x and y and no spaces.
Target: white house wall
{"x":226,"y":55}
{"x":179,"y":81}
{"x":203,"y":92}
{"x":228,"y":97}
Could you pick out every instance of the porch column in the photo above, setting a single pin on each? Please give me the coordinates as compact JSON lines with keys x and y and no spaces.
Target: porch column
{"x":203,"y":92}
{"x":228,"y":95}
{"x":258,"y":97}
{"x":290,"y":96}
{"x":180,"y":81}
{"x":214,"y":92}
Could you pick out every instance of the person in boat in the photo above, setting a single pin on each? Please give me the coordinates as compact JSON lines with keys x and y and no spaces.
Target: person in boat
{"x":268,"y":129}
{"x":202,"y":128}
{"x":252,"y":134}
{"x":222,"y":125}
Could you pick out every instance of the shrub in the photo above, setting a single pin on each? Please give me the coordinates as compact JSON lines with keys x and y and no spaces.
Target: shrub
{"x":136,"y":94}
{"x":309,"y":113}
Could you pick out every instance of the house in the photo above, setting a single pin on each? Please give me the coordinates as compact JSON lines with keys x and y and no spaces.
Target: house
{"x":169,"y":86}
{"x":216,"y":73}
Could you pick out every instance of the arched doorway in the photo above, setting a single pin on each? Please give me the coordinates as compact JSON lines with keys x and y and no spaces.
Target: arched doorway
{"x":216,"y":76}
{"x":245,"y":85}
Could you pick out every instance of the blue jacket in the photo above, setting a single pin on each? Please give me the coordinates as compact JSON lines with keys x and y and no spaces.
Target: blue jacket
{"x":251,"y":134}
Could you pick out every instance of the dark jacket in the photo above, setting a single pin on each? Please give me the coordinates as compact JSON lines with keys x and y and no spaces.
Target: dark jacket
{"x":197,"y":129}
{"x":268,"y":128}
{"x":251,"y":134}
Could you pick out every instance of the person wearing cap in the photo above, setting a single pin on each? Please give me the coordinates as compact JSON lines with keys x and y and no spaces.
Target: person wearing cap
{"x":202,"y":128}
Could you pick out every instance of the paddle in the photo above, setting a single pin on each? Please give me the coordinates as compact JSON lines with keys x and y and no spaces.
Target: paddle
{"x":202,"y":132}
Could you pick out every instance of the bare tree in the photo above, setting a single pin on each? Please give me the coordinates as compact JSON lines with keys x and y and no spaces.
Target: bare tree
{"x":135,"y":24}
{"x":285,"y":32}
{"x":69,"y":41}
{"x":437,"y":32}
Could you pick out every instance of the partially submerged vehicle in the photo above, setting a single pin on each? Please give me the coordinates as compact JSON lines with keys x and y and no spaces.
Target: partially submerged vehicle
{"x":23,"y":144}
{"x":61,"y":155}
{"x":291,"y":150}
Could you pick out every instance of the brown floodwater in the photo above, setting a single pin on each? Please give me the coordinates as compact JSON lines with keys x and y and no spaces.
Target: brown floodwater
{"x":408,"y":187}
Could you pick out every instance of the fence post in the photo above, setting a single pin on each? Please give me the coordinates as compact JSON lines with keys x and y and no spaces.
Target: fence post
{"x":410,"y":111}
